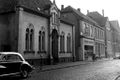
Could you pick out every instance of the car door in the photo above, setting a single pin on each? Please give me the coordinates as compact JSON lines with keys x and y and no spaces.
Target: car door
{"x":3,"y":68}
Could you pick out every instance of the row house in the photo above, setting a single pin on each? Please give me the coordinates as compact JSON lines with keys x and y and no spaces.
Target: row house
{"x":73,"y":16}
{"x":36,"y":29}
{"x":99,"y":38}
{"x":87,"y":38}
{"x":103,"y":35}
{"x":88,"y":33}
{"x":44,"y":34}
{"x":115,"y":38}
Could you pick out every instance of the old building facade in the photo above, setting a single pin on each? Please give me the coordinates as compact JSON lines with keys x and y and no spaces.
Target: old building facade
{"x":102,"y":41}
{"x":88,"y":40}
{"x":36,"y":30}
{"x":115,"y":38}
{"x":44,"y":34}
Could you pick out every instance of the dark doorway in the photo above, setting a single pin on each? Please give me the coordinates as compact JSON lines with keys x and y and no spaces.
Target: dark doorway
{"x":55,"y":46}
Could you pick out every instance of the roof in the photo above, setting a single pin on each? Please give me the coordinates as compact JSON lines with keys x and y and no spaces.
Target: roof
{"x":101,"y":20}
{"x":70,"y":9}
{"x":6,"y":53}
{"x":115,"y":25}
{"x":66,"y":20}
{"x":10,"y":5}
{"x":9,"y":53}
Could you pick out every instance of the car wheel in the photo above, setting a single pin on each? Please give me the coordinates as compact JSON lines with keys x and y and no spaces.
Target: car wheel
{"x":24,"y":73}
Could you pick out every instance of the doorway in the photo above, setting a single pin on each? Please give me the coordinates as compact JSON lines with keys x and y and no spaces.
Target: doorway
{"x":55,"y":46}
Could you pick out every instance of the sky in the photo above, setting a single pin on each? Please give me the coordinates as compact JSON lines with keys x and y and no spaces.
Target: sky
{"x":111,"y":7}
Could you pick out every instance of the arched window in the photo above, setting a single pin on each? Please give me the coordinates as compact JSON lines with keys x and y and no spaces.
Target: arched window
{"x":69,"y":43}
{"x":43,"y":41}
{"x":41,"y":44}
{"x":62,"y":42}
{"x":40,"y":37}
{"x":27,"y":39}
{"x":31,"y":39}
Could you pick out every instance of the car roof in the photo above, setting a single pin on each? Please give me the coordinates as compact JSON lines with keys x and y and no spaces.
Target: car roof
{"x":6,"y":53}
{"x":9,"y":53}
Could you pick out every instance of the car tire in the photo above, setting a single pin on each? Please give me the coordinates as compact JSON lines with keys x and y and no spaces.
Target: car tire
{"x":24,"y":73}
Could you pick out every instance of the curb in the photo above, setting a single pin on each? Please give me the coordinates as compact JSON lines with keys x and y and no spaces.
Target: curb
{"x":59,"y":66}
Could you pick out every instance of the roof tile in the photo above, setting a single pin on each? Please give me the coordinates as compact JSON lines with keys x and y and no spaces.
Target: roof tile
{"x":9,"y":5}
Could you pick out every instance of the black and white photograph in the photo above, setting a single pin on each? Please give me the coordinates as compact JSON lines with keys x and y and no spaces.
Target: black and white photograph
{"x":59,"y":40}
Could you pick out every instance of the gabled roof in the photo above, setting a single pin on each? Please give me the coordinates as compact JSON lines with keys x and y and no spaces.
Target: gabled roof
{"x":101,"y":20}
{"x":10,"y":5}
{"x":70,"y":9}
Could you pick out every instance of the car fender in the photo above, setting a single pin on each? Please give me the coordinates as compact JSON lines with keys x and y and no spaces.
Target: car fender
{"x":27,"y":66}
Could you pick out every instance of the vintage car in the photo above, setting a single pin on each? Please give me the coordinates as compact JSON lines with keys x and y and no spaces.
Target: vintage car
{"x":12,"y":63}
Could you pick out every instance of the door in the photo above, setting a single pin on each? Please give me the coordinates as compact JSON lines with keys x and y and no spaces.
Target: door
{"x":55,"y":46}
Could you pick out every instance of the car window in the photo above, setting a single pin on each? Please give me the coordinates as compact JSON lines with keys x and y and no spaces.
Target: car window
{"x":12,"y":57}
{"x":2,"y":58}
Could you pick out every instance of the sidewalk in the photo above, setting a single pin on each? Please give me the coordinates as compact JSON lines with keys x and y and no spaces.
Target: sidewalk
{"x":66,"y":65}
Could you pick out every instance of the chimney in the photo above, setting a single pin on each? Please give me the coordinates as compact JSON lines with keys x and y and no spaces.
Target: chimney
{"x":62,"y":7}
{"x":87,"y":11}
{"x":54,"y":1}
{"x":79,"y":9}
{"x":103,"y":12}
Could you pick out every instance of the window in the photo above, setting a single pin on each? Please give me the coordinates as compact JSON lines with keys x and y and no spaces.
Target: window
{"x":83,"y":27}
{"x":29,"y":38}
{"x":69,"y":43}
{"x":62,"y":42}
{"x":12,"y":57}
{"x":41,"y":40}
{"x":95,"y":32}
{"x":53,"y":18}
